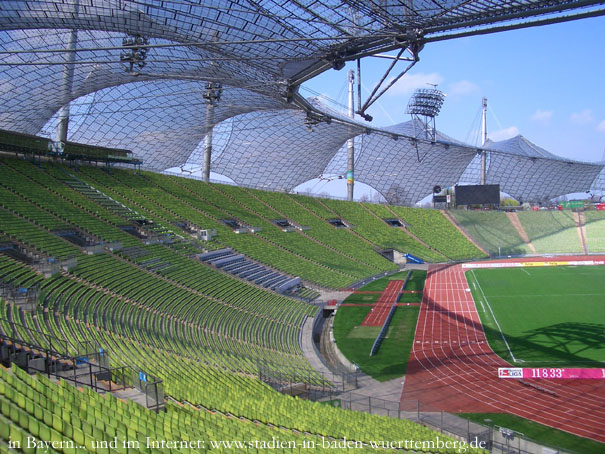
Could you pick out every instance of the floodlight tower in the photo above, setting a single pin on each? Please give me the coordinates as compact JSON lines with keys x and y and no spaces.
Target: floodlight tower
{"x":68,"y":82}
{"x":424,"y":106}
{"x":483,"y":137}
{"x":351,"y":142}
{"x":212,"y":95}
{"x":134,"y":53}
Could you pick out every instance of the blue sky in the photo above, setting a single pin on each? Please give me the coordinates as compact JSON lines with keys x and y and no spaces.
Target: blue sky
{"x":546,"y":83}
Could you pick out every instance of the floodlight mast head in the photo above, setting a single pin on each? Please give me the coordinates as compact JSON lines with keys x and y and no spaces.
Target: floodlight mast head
{"x":424,"y":106}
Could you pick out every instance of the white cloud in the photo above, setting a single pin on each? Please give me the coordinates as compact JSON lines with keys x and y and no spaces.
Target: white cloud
{"x":503,"y":134}
{"x":582,"y":118}
{"x":601,"y":126}
{"x":462,"y":87}
{"x":410,"y":82}
{"x":542,"y":116}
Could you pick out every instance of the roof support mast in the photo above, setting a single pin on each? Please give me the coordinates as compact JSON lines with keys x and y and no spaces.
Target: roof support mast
{"x":483,"y":137}
{"x":212,"y":95}
{"x":351,"y":141}
{"x":68,"y":81}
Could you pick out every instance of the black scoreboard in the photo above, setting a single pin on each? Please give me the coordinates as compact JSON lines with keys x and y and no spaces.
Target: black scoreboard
{"x":479,"y":194}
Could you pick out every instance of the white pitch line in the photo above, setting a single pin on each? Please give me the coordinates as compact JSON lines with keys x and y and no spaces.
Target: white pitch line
{"x":494,"y":317}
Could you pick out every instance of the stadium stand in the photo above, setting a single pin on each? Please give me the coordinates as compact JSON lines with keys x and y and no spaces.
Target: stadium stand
{"x":292,"y":254}
{"x":130,"y":330}
{"x":203,"y":331}
{"x":551,"y":231}
{"x":435,"y":230}
{"x":70,"y":417}
{"x":372,"y":228}
{"x":595,"y":231}
{"x":493,"y":231}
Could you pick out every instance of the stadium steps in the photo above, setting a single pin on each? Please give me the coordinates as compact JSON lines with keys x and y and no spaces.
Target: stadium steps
{"x":405,"y":230}
{"x":319,"y":228}
{"x":516,"y":223}
{"x":66,"y":203}
{"x":578,"y":217}
{"x":155,"y":227}
{"x":49,"y":223}
{"x":192,"y":193}
{"x":113,"y":205}
{"x":120,"y":321}
{"x":266,"y":240}
{"x":275,"y":243}
{"x":321,"y":243}
{"x":218,"y":301}
{"x":461,"y":229}
{"x":337,"y":215}
{"x":371,"y":226}
{"x":304,"y":207}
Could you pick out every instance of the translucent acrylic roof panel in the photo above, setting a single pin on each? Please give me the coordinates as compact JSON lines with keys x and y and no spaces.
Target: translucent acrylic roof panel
{"x":279,"y":150}
{"x":283,"y":41}
{"x":519,"y":145}
{"x":599,"y":183}
{"x":538,"y":179}
{"x":161,"y":122}
{"x":405,"y":171}
{"x":33,"y":89}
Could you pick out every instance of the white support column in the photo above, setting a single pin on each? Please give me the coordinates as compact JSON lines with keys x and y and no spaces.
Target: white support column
{"x":351,"y":141}
{"x":212,"y":96}
{"x":66,"y":89}
{"x":483,"y":137}
{"x":208,"y":140}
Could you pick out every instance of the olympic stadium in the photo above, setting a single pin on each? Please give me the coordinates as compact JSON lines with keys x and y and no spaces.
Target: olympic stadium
{"x":146,"y":311}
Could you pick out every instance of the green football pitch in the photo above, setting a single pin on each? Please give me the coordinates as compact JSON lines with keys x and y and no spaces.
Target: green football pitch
{"x":537,"y":316}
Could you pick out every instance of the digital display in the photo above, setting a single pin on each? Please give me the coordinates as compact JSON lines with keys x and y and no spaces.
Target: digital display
{"x":550,"y":373}
{"x":479,"y":194}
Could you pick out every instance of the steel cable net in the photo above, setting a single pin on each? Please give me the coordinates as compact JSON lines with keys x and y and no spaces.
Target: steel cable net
{"x":149,"y":99}
{"x":268,"y":44}
{"x":280,"y":149}
{"x":33,"y":87}
{"x":162,"y":121}
{"x":538,"y":179}
{"x":405,"y":170}
{"x":530,"y":173}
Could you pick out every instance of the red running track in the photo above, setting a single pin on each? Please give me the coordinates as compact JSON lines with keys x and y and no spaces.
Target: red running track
{"x":452,"y":367}
{"x":380,"y":311}
{"x":373,"y":304}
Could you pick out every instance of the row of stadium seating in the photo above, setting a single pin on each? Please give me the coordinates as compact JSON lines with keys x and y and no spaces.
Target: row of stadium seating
{"x":340,"y":239}
{"x":595,"y":231}
{"x":142,"y":325}
{"x":373,"y":228}
{"x":436,"y":230}
{"x":281,"y":328}
{"x":343,"y":254}
{"x":71,"y":418}
{"x":493,"y":231}
{"x":551,"y":231}
{"x":153,"y":199}
{"x":246,"y":397}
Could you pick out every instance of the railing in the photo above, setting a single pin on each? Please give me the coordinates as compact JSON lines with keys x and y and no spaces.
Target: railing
{"x":151,"y":386}
{"x":90,"y":366}
{"x":496,"y":439}
{"x":304,"y":383}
